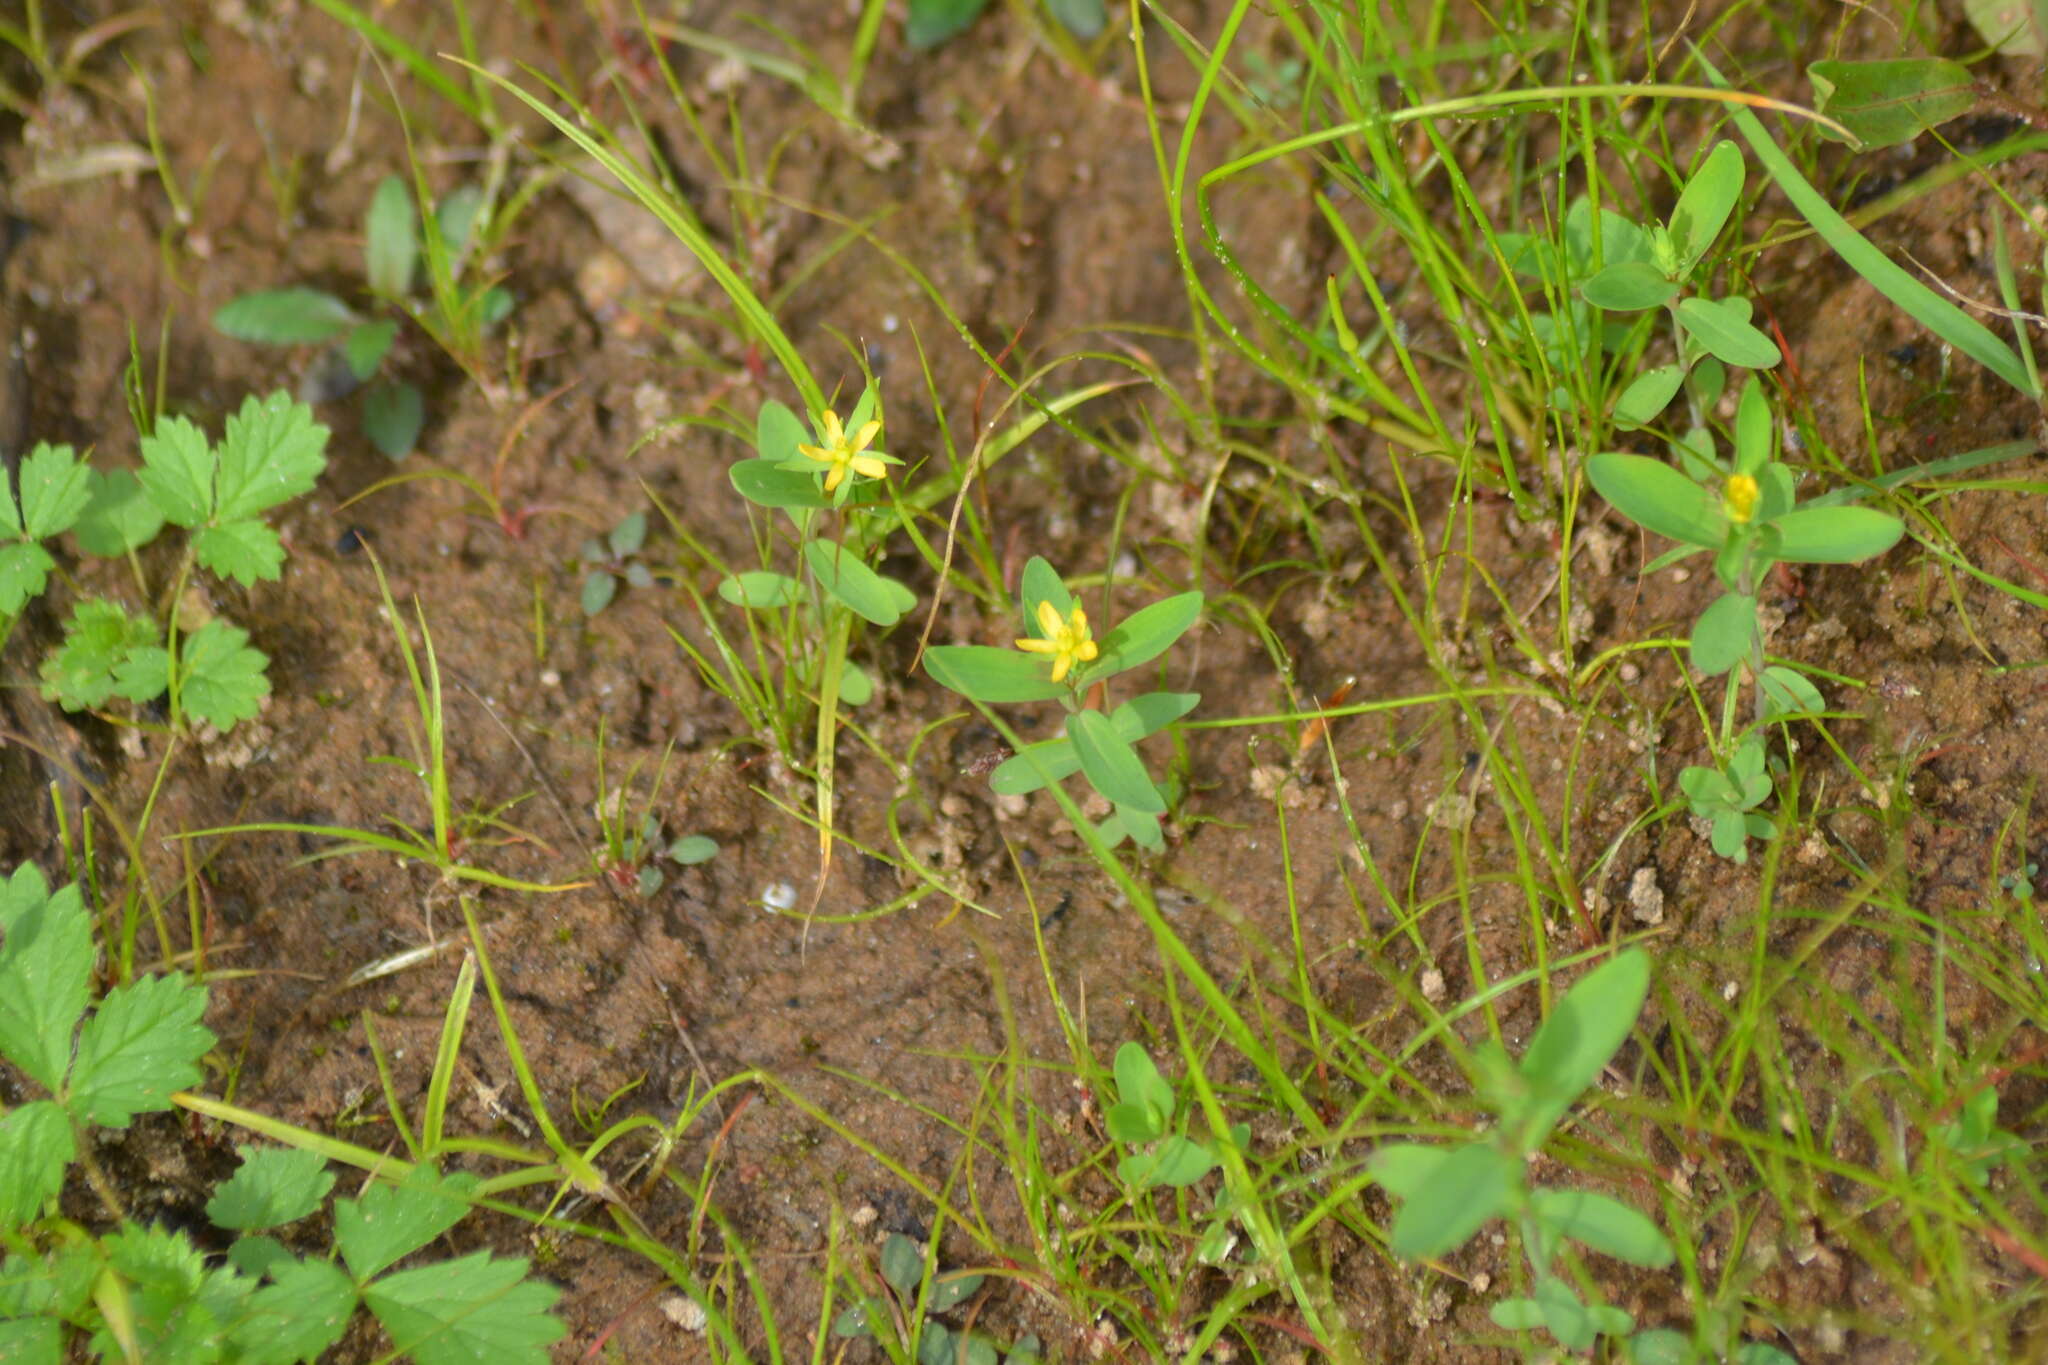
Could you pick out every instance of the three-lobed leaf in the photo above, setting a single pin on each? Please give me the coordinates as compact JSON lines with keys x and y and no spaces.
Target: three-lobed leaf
{"x":101,"y":645}
{"x":55,"y":488}
{"x":143,"y":1041}
{"x":476,"y":1308}
{"x":223,"y":675}
{"x":273,"y":1186}
{"x":299,"y":1316}
{"x":389,"y":1221}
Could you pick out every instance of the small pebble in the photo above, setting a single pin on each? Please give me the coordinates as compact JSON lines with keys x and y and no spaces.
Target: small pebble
{"x":779,"y":898}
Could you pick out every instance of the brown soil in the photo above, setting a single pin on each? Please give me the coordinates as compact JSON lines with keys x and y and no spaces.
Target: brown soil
{"x":1028,"y":193}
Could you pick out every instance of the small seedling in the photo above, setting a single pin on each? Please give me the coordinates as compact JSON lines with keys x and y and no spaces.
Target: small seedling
{"x":1972,"y":1143}
{"x":1161,"y":1157}
{"x":1098,"y":742}
{"x":393,"y":411}
{"x":1448,"y":1193}
{"x":932,"y":22}
{"x":911,"y":1312}
{"x":608,"y":562}
{"x":1743,"y":510}
{"x":272,"y":452}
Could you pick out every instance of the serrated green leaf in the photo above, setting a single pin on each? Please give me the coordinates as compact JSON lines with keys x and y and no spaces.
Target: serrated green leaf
{"x":989,"y":674}
{"x":881,"y":601}
{"x":273,"y":1186}
{"x":24,"y":573}
{"x":119,"y":515}
{"x":1464,"y":1191}
{"x":932,"y":22}
{"x":54,"y":490}
{"x":1885,"y":103}
{"x":177,"y":471}
{"x":1111,"y":766}
{"x":392,"y":1221}
{"x":32,"y":1341}
{"x":391,"y":244}
{"x":258,"y":1255}
{"x":143,"y":1041}
{"x":1608,"y":1226}
{"x":143,"y":674}
{"x":245,"y":551}
{"x":45,"y":974}
{"x":284,"y":317}
{"x":1146,"y":634}
{"x":393,"y":414}
{"x":461,"y":1312}
{"x":298,"y":1316}
{"x":273,"y":451}
{"x":223,"y":679}
{"x":36,"y":1144}
{"x":1657,"y":497}
{"x":98,"y":638}
{"x":1726,"y":334}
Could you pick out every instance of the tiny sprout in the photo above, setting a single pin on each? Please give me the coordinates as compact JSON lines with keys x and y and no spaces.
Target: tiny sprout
{"x":1067,"y":640}
{"x":842,"y":454}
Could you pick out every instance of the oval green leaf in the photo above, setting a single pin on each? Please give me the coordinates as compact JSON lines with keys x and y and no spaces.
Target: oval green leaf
{"x":1035,"y":766}
{"x":1151,"y":713}
{"x":1467,"y":1189}
{"x":778,"y":432}
{"x":1647,"y":395}
{"x":392,"y":417}
{"x":1628,"y":287}
{"x":989,"y":674}
{"x":391,"y":246}
{"x":1726,"y":335}
{"x":1657,"y":497}
{"x":367,"y":345}
{"x":1041,"y":583}
{"x":1582,"y":1034}
{"x":284,"y":317}
{"x":1112,"y":766}
{"x":1885,"y":103}
{"x":1608,"y":1226}
{"x":866,"y":593}
{"x":1835,"y":535}
{"x":759,"y":589}
{"x":1704,"y":205}
{"x":762,"y":483}
{"x":1722,"y":636}
{"x":1146,"y":634}
{"x":1753,"y":445}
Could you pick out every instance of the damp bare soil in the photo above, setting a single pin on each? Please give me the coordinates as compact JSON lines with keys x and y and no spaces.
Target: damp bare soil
{"x":1027,"y":193}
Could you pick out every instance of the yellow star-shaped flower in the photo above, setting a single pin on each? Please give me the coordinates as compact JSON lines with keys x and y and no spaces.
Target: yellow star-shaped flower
{"x":842,"y":454}
{"x":1066,"y":639}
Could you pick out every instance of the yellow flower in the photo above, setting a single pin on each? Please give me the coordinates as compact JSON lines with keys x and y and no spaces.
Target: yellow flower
{"x":1065,"y":639}
{"x":1739,"y":497}
{"x":842,"y":454}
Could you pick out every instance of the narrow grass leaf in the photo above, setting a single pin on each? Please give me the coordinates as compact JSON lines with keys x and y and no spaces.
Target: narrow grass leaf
{"x":1608,"y":1226}
{"x":1930,"y":309}
{"x":1112,"y":766}
{"x":1469,"y":1188}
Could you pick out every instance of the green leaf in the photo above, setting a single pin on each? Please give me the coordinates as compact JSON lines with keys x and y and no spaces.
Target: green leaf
{"x":778,"y":431}
{"x":245,"y":551}
{"x":599,"y":587}
{"x":296,"y":1318}
{"x":1726,"y":334}
{"x":55,"y":488}
{"x":1146,"y":634}
{"x":1582,"y":1034}
{"x":391,"y":247}
{"x":32,"y":1341}
{"x":273,"y":451}
{"x":1151,"y":713}
{"x":223,"y":676}
{"x":143,"y":674}
{"x":1140,"y":825}
{"x":866,"y":593}
{"x":1517,"y":1315}
{"x":766,"y":484}
{"x":1647,"y":395}
{"x":1721,"y":638}
{"x":1082,"y":18}
{"x":1468,"y":1188}
{"x":1608,"y":1226}
{"x":628,"y":536}
{"x":1835,"y":535}
{"x":902,"y":1264}
{"x":1661,"y":1346}
{"x":2013,"y":28}
{"x":1710,"y":195}
{"x":1564,"y":1314}
{"x":1040,"y":582}
{"x":1885,"y":103}
{"x":1035,"y":766}
{"x":177,"y":471}
{"x":393,"y":414}
{"x":118,"y":517}
{"x":1139,"y":1083}
{"x":759,"y":589}
{"x":1932,"y":311}
{"x":456,"y":217}
{"x":45,"y":973}
{"x":692,"y":849}
{"x":284,"y":317}
{"x":273,"y":1186}
{"x":99,"y":637}
{"x":1404,"y":1167}
{"x":392,"y":1221}
{"x":989,"y":674}
{"x":24,"y":572}
{"x":932,"y":22}
{"x":144,"y":1040}
{"x":951,"y":1290}
{"x":1628,"y":287}
{"x":1787,"y":692}
{"x":461,"y":1312}
{"x":36,"y":1144}
{"x":1658,"y":498}
{"x":1111,"y":766}
{"x":367,"y":345}
{"x":1175,"y":1164}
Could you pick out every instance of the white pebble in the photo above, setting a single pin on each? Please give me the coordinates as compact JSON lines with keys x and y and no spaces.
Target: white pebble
{"x":779,"y":897}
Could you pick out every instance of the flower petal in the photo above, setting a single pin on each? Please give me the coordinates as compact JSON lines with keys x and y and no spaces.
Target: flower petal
{"x":865,"y":435}
{"x":1039,"y":646}
{"x":1049,"y":623}
{"x":868,"y":467}
{"x":1060,"y":666}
